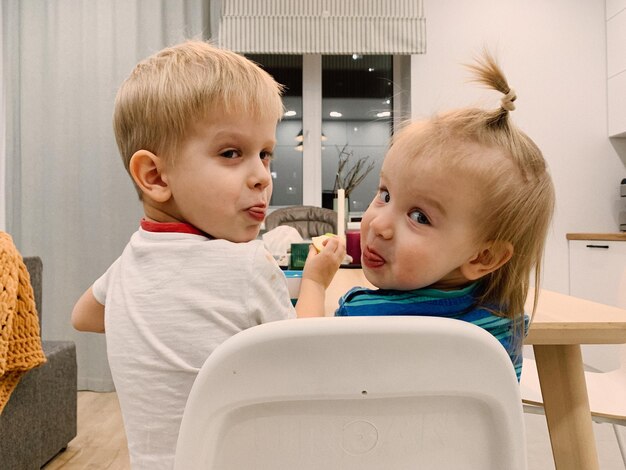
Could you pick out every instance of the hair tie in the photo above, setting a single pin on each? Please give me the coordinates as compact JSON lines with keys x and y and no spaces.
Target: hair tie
{"x":507,"y":100}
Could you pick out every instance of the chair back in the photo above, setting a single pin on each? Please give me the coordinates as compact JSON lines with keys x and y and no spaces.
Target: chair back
{"x":606,"y":392}
{"x":355,"y":393}
{"x":309,"y":221}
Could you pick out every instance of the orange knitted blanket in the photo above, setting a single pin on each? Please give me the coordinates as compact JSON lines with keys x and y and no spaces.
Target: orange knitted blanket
{"x":20,"y":341}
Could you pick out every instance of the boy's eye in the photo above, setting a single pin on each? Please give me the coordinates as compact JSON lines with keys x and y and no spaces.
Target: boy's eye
{"x":419,"y":217}
{"x":383,"y":195}
{"x":232,"y":153}
{"x":266,"y":155}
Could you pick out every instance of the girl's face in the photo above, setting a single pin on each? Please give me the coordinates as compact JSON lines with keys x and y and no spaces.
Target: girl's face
{"x":422,"y":226}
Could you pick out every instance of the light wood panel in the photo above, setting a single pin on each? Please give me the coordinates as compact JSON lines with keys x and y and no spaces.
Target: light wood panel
{"x":563,"y":319}
{"x":100,"y":442}
{"x":617,"y":236}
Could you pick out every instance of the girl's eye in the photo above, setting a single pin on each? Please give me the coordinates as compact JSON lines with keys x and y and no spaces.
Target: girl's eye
{"x":383,"y":195}
{"x":230,"y":153}
{"x":419,"y":217}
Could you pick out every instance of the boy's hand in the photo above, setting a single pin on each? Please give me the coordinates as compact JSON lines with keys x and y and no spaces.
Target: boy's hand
{"x":321,"y":267}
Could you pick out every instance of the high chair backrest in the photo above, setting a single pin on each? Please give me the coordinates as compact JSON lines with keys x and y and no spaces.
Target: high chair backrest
{"x":355,"y":393}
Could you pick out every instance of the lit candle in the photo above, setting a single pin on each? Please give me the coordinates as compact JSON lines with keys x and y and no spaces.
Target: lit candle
{"x":341,"y":213}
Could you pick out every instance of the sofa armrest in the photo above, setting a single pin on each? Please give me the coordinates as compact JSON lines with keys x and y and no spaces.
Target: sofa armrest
{"x":40,"y":418}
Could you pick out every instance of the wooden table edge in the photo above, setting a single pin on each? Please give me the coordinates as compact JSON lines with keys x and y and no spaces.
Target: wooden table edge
{"x":603,"y":333}
{"x":597,"y":236}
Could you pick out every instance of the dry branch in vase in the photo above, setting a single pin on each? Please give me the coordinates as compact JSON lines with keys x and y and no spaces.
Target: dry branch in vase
{"x":349,"y":177}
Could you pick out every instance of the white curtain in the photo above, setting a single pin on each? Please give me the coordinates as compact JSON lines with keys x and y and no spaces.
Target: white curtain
{"x":322,"y":26}
{"x":3,"y":147}
{"x":69,"y":199}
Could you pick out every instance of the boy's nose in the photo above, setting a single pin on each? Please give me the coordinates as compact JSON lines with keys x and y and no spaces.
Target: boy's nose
{"x":260,"y":176}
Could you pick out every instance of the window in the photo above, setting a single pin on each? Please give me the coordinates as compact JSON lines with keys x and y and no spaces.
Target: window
{"x":357,"y":99}
{"x":357,"y":102}
{"x":287,"y":164}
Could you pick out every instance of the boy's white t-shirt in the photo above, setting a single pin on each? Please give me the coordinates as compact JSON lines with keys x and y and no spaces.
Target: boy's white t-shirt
{"x":170,"y":299}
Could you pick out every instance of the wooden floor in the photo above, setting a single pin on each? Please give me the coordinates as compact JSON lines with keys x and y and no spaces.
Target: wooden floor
{"x":100,"y":442}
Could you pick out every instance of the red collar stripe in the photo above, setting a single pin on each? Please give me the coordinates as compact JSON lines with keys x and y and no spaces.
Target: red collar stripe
{"x":176,"y":227}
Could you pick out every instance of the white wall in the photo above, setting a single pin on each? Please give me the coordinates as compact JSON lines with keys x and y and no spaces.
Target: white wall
{"x":554,"y":55}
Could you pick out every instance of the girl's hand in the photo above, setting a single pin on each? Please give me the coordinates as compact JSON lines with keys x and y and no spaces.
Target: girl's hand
{"x":321,"y":267}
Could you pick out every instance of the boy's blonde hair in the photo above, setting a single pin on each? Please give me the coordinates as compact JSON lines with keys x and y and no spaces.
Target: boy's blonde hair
{"x":166,"y":93}
{"x":518,"y":195}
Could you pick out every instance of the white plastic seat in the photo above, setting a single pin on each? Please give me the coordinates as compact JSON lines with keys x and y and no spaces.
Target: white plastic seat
{"x":355,"y":393}
{"x":606,"y":392}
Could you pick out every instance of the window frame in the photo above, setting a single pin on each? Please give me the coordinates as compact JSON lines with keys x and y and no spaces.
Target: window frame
{"x":312,"y":118}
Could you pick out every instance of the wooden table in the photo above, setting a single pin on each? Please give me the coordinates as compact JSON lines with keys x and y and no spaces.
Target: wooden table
{"x":561,"y":324}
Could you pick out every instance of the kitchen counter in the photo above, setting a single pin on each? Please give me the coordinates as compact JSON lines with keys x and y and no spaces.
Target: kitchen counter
{"x":616,"y":236}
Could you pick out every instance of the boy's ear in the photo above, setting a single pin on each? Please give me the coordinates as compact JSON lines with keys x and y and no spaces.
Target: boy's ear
{"x":492,"y":256}
{"x":146,"y":170}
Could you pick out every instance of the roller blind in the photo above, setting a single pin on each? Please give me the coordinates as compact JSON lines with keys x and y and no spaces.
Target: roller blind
{"x":322,"y":26}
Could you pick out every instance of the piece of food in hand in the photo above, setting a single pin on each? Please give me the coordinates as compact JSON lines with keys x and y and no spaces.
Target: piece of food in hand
{"x":318,"y":242}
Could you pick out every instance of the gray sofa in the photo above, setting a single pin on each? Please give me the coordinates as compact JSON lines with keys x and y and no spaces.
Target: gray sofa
{"x":40,"y":418}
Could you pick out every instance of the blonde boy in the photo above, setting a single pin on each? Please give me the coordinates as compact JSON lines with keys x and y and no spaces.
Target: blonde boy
{"x":195,"y":126}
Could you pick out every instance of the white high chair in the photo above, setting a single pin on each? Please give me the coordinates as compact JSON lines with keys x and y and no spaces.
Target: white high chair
{"x":606,"y":392}
{"x":355,"y":393}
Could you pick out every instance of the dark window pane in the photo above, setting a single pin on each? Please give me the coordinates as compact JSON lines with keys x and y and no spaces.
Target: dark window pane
{"x":287,"y":163}
{"x":356,"y":120}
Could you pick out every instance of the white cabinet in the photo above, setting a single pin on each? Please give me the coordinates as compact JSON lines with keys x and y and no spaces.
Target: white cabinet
{"x":597,"y":271}
{"x":616,"y":66}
